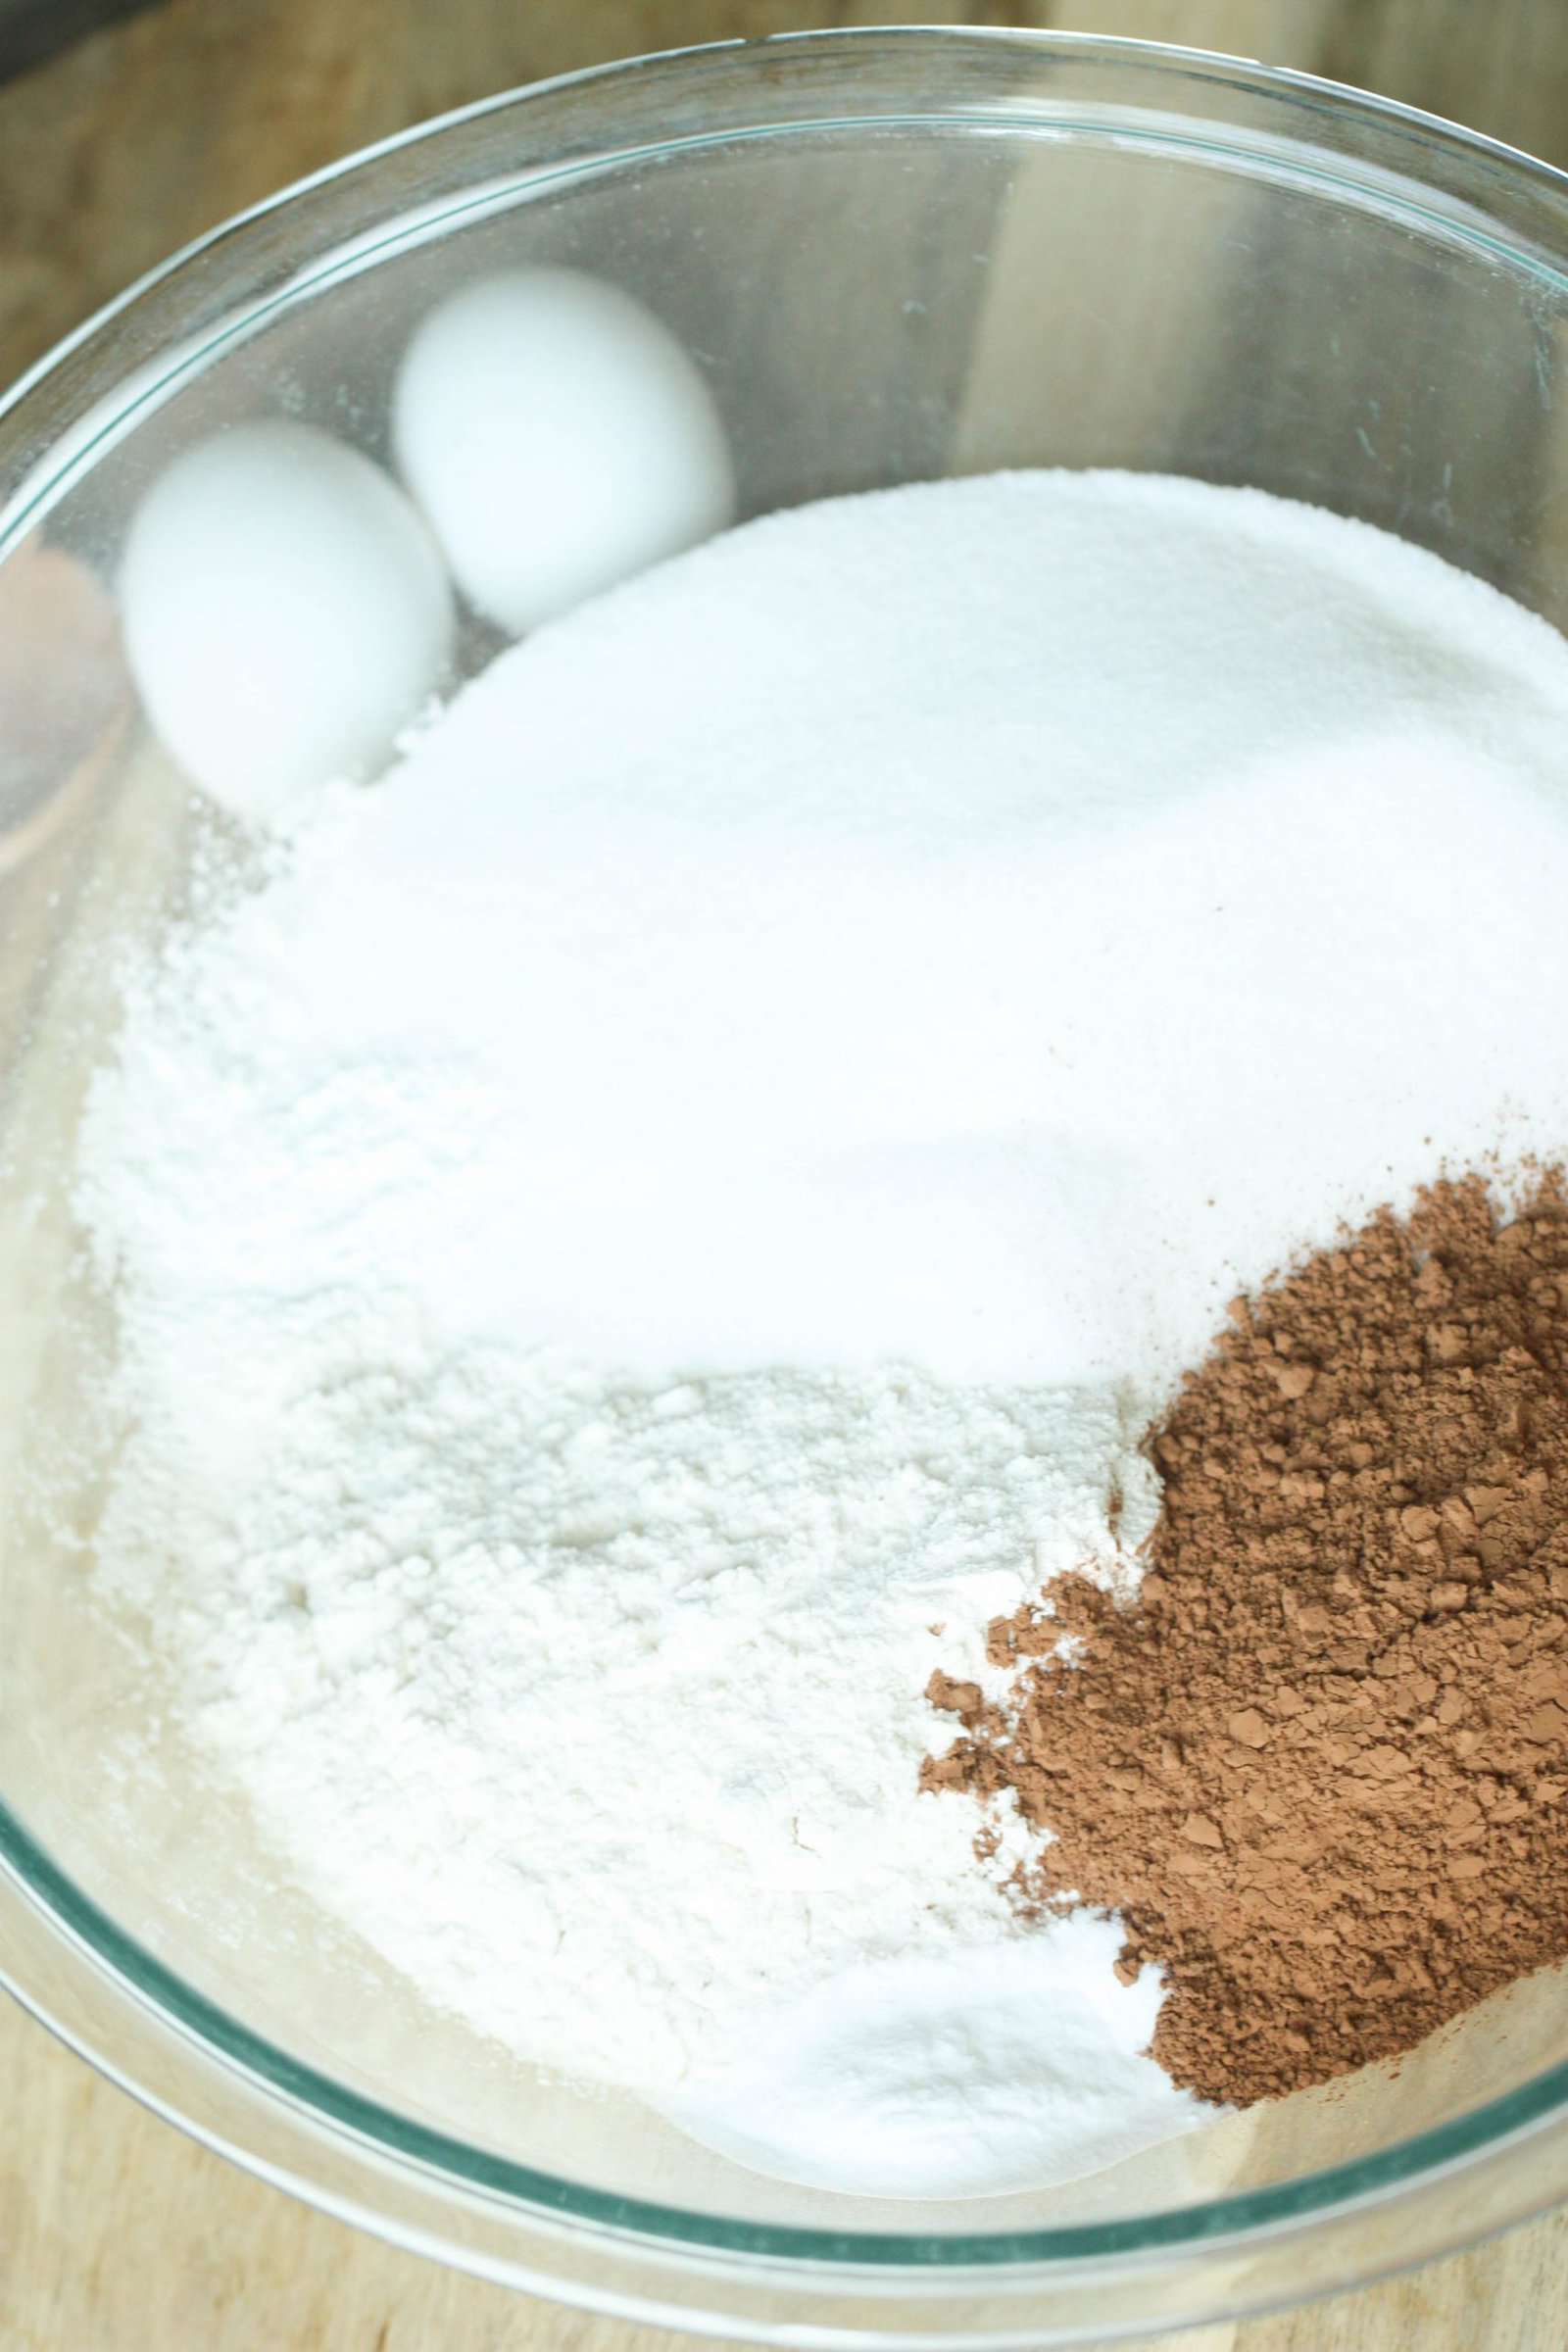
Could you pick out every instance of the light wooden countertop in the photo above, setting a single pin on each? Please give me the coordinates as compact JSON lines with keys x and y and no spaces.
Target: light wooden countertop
{"x":117,"y":2234}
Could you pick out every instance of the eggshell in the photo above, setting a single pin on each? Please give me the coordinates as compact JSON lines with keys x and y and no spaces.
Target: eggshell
{"x":559,"y":439}
{"x":285,"y":611}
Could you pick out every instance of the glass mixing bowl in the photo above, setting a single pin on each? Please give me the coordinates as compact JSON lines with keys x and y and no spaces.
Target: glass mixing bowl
{"x":895,"y":255}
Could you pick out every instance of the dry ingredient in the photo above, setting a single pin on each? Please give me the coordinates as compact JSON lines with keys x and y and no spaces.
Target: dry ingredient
{"x":597,"y":1707}
{"x":1321,"y":1766}
{"x":851,"y":942}
{"x":1016,"y":2064}
{"x":618,"y":1233}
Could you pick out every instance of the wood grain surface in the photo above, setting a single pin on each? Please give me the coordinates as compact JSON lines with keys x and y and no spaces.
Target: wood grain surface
{"x":116,"y":2233}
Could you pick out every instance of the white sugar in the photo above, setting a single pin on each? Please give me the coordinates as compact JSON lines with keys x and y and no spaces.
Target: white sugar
{"x":982,"y":925}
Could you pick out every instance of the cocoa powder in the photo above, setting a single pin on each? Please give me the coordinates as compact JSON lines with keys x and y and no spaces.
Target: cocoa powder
{"x":1320,"y":1765}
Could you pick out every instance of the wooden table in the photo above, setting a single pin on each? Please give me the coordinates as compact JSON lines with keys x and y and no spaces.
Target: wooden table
{"x":116,"y":2233}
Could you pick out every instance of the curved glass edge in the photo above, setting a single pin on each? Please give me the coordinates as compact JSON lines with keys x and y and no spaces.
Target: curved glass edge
{"x":1400,"y":2169}
{"x":1334,"y":102}
{"x":47,"y":474}
{"x":1180,"y":2229}
{"x":41,"y":483}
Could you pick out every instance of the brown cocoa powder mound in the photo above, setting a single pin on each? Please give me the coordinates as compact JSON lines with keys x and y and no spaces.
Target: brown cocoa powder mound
{"x":1320,"y":1765}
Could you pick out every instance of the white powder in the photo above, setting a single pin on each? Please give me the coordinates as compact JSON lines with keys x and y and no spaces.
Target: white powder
{"x":1015,"y":2065}
{"x":692,"y":1184}
{"x":598,"y":1709}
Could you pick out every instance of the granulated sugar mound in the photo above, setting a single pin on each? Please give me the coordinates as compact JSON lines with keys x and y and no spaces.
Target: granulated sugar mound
{"x":981,"y":926}
{"x":1321,"y":1765}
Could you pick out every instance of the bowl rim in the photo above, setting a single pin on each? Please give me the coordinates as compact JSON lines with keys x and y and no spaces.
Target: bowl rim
{"x":260,"y":2065}
{"x":1206,"y":2225}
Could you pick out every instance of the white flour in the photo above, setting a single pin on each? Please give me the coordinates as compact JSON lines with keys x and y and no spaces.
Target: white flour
{"x":644,"y":1215}
{"x":598,"y":1709}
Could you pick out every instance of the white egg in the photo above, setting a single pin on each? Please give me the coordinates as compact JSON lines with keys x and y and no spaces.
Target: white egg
{"x":559,"y":438}
{"x":285,"y":611}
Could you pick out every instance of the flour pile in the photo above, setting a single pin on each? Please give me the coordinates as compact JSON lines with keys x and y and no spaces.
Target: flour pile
{"x":636,"y":1238}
